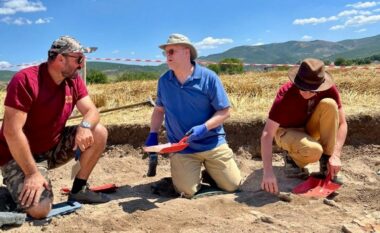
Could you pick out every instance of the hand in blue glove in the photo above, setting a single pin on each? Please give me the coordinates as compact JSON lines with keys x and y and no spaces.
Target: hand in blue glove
{"x":152,"y":139}
{"x":197,"y":132}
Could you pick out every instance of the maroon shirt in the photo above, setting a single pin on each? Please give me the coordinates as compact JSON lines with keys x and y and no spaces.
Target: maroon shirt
{"x":291,"y":110}
{"x":48,"y":105}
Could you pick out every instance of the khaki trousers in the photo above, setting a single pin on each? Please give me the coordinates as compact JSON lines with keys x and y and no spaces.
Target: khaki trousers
{"x":219,"y":163}
{"x":306,"y":145}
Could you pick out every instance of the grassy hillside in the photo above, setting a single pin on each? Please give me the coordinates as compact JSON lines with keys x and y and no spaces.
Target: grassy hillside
{"x":109,"y":68}
{"x":293,"y":51}
{"x":6,"y":75}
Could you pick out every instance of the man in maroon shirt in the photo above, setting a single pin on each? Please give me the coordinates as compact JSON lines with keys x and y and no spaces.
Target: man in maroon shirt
{"x":307,"y":120}
{"x":33,"y":137}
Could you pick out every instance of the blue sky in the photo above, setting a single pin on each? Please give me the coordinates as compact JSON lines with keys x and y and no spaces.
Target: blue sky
{"x":134,"y":28}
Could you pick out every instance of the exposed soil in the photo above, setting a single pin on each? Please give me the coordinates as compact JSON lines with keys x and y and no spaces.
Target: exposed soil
{"x":134,"y":209}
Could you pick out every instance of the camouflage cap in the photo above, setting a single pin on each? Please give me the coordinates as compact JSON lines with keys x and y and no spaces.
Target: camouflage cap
{"x":68,"y":44}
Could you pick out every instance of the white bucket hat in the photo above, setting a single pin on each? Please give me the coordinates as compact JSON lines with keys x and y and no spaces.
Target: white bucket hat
{"x":179,"y":39}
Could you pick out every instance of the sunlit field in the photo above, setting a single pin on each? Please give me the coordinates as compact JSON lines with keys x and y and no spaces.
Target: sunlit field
{"x":251,"y":95}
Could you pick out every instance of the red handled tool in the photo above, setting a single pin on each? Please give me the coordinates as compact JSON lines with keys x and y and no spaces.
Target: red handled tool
{"x":168,"y":147}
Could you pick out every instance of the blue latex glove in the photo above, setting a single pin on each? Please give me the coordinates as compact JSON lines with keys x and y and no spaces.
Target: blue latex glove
{"x":197,"y":132}
{"x":78,"y":152}
{"x":152,"y":139}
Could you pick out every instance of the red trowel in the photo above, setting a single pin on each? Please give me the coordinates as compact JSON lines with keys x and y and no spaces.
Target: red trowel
{"x":105,"y":188}
{"x":314,"y":187}
{"x":168,"y":147}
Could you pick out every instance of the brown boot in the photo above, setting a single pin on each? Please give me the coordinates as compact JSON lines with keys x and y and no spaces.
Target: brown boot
{"x":291,"y":169}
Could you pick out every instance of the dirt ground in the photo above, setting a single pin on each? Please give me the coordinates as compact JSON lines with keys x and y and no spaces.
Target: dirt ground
{"x":134,"y":209}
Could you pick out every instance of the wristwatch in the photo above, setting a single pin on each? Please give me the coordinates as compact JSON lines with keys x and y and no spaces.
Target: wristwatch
{"x":85,"y":124}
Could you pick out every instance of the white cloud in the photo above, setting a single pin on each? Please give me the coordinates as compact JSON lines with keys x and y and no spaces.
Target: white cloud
{"x":362,"y":20}
{"x":360,"y":5}
{"x":116,"y":51}
{"x":337,"y":27}
{"x":348,"y":13}
{"x":211,"y":43}
{"x":306,"y":38}
{"x":361,"y":30}
{"x":258,"y":44}
{"x":10,"y":7}
{"x":23,"y":21}
{"x":347,"y":18}
{"x":133,"y":53}
{"x":18,"y":21}
{"x":358,"y":20}
{"x":314,"y":21}
{"x":4,"y":64}
{"x":43,"y":21}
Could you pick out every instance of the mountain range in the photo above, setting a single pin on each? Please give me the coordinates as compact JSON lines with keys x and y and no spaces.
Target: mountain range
{"x":289,"y":52}
{"x":294,"y":51}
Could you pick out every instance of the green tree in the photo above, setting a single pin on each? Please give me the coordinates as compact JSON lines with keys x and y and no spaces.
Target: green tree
{"x":214,"y":67}
{"x":231,"y":66}
{"x":340,"y":61}
{"x":327,"y":62}
{"x":95,"y":76}
{"x":138,"y":75}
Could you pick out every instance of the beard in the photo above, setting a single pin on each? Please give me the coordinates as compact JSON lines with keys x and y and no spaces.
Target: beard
{"x":70,"y":74}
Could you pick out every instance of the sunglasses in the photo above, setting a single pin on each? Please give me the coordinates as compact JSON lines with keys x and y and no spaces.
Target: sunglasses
{"x":170,"y":52}
{"x":80,"y":58}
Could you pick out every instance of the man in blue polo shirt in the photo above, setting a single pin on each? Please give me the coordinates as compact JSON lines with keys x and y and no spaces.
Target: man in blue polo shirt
{"x":193,"y":101}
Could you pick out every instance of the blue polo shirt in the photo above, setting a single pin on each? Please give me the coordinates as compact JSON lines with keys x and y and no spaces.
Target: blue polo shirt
{"x":190,"y":104}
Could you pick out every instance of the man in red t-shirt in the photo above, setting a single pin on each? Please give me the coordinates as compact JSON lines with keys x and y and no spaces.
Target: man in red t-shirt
{"x":33,"y":137}
{"x":307,"y":120}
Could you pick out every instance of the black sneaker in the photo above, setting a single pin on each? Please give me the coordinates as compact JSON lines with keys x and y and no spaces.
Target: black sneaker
{"x":323,"y":165}
{"x":86,"y":196}
{"x":164,"y":188}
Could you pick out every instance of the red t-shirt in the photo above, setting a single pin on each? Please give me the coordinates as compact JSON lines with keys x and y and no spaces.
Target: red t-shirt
{"x":291,"y":110}
{"x":48,"y":105}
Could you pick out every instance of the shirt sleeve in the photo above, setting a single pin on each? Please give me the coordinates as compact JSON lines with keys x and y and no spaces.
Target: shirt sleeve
{"x":276,"y":109}
{"x":20,"y":94}
{"x":159,"y":96}
{"x":81,"y":88}
{"x":334,"y":93}
{"x":217,"y":93}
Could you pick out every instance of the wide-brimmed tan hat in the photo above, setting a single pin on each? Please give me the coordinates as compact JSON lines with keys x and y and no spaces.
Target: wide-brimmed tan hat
{"x":311,"y":76}
{"x":179,"y":39}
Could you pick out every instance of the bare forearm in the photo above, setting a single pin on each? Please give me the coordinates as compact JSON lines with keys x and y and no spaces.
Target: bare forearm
{"x":266,"y":153}
{"x":156,"y":120}
{"x":92,"y":116}
{"x":340,"y":139}
{"x":218,"y":118}
{"x":20,"y":150}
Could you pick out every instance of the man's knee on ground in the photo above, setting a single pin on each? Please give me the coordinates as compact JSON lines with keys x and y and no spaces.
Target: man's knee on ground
{"x":41,"y":210}
{"x":187,"y":192}
{"x":230,"y":186}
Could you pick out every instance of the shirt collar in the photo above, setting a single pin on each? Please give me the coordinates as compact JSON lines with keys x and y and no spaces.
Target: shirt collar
{"x":197,"y":73}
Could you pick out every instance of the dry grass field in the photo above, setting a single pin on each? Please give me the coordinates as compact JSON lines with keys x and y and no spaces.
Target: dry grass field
{"x":251,"y":95}
{"x":135,"y":209}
